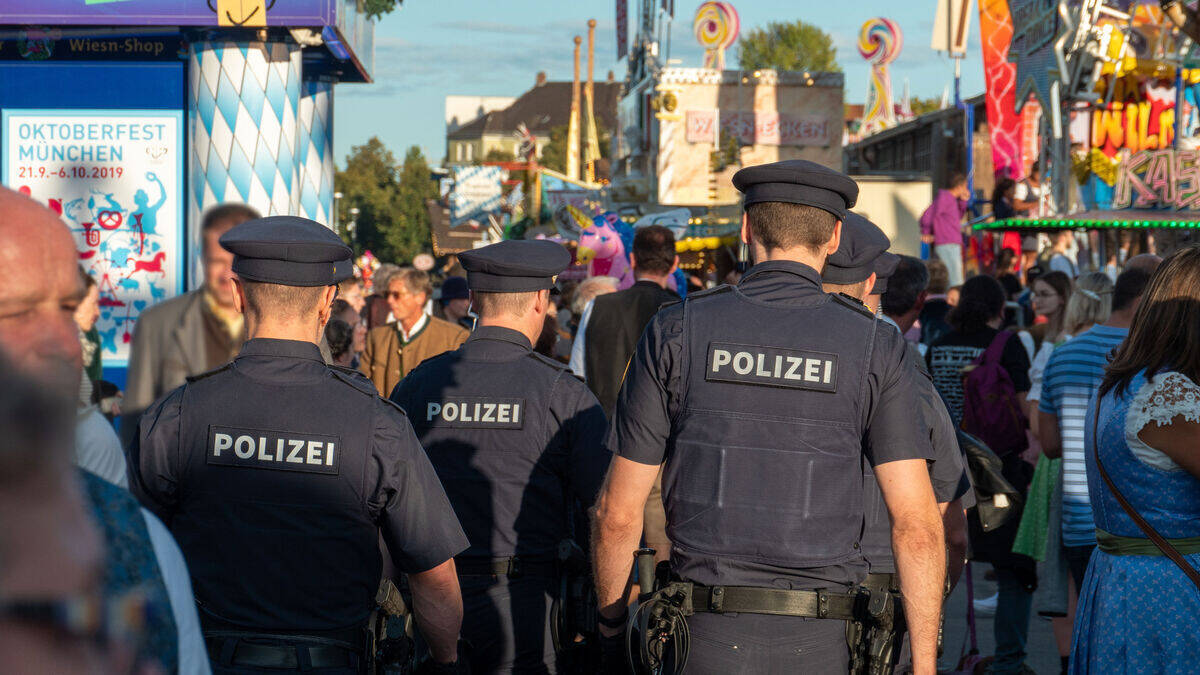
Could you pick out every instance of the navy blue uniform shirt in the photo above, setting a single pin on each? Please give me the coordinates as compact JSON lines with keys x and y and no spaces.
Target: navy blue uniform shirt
{"x":516,"y":439}
{"x":653,"y":397}
{"x":277,"y":473}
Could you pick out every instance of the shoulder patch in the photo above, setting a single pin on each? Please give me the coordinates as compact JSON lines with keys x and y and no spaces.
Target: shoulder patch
{"x":210,"y":373}
{"x":851,"y":303}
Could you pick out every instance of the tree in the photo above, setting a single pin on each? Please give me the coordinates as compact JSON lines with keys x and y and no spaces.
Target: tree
{"x":412,"y":235}
{"x":554,"y":153}
{"x":392,"y":221}
{"x":920,"y":106}
{"x":788,"y":46}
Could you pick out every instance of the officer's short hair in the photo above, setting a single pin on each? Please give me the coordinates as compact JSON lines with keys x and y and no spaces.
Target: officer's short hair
{"x":780,"y":225}
{"x":225,"y":216}
{"x":487,"y":304}
{"x":281,"y":302}
{"x":856,"y":290}
{"x":415,"y":281}
{"x":654,"y":249}
{"x":905,"y":286}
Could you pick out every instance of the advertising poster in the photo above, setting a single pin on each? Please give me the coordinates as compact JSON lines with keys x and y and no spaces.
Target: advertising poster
{"x":116,"y":178}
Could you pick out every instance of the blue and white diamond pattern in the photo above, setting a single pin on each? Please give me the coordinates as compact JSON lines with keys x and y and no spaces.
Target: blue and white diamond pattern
{"x":243,"y":103}
{"x":314,"y":136}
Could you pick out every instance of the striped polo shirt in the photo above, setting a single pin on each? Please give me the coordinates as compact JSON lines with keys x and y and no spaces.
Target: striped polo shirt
{"x":1072,"y":377}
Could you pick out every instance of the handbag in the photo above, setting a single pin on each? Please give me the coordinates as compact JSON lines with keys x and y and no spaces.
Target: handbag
{"x":1159,"y":541}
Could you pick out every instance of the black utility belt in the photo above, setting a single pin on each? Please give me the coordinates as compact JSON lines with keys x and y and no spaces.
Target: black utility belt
{"x":778,"y":602}
{"x":262,"y":650}
{"x":513,"y":568}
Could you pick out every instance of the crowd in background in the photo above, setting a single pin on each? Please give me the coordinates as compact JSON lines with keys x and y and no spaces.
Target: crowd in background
{"x":1066,"y":355}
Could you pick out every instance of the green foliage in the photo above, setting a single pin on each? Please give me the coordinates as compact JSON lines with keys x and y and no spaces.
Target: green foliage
{"x":377,"y":8}
{"x":792,"y":45}
{"x":393,"y":221}
{"x":554,"y":153}
{"x":920,"y":106}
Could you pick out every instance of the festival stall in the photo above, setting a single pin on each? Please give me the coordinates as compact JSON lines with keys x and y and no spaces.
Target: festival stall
{"x":1110,"y":91}
{"x":130,"y":119}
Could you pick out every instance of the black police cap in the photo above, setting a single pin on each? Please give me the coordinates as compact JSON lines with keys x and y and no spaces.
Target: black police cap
{"x":798,"y":181}
{"x":289,"y":251}
{"x":885,"y":267}
{"x":862,"y":244}
{"x":514,"y":266}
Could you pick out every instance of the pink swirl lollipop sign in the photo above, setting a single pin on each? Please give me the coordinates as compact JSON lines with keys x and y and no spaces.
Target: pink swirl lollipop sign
{"x":879,"y":42}
{"x":716,"y":27}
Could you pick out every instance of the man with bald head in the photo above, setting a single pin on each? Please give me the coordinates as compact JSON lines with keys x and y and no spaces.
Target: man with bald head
{"x":37,"y":325}
{"x":39,"y":336}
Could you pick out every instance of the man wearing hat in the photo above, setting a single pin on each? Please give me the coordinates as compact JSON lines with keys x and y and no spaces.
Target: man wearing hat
{"x":518,"y":443}
{"x":863,"y":271}
{"x":761,"y":402}
{"x":277,"y":473}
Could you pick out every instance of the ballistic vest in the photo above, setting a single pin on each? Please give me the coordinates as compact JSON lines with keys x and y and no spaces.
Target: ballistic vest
{"x":764,"y":462}
{"x":272,"y":515}
{"x":482,"y":413}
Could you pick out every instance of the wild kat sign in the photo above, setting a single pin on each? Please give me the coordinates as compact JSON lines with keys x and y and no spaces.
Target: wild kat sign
{"x":1159,"y":179}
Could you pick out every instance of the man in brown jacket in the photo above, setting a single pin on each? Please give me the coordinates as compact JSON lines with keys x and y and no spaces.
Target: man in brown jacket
{"x":396,"y":348}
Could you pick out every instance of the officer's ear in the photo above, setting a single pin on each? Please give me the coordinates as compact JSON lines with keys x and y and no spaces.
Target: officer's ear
{"x":239,"y":295}
{"x":835,"y":241}
{"x":747,"y":238}
{"x":869,"y":286}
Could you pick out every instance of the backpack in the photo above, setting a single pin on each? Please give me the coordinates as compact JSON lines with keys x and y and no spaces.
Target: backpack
{"x":992,"y":411}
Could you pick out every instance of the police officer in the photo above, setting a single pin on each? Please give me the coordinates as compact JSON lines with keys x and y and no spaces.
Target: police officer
{"x":276,"y":473}
{"x":861,"y":270}
{"x":762,"y":400}
{"x":518,"y":443}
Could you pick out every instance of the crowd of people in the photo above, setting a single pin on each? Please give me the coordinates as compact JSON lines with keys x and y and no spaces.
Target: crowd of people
{"x":783,"y":432}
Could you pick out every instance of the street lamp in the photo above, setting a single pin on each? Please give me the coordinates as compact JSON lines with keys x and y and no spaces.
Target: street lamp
{"x":353,"y":224}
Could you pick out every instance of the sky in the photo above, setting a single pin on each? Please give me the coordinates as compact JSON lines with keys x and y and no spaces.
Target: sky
{"x":428,"y":49}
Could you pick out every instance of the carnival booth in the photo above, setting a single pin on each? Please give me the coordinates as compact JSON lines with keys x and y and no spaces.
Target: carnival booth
{"x":130,"y":119}
{"x":1110,"y":89}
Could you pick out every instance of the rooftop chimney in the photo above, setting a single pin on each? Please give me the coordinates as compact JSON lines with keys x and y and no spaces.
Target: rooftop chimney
{"x":541,"y":78}
{"x":610,"y":76}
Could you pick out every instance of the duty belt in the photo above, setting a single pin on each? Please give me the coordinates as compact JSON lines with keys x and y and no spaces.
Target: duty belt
{"x":288,"y":651}
{"x":513,"y":568}
{"x":753,"y":600}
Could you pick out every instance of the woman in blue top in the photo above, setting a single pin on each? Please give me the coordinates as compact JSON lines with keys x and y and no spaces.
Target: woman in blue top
{"x":1137,"y":610}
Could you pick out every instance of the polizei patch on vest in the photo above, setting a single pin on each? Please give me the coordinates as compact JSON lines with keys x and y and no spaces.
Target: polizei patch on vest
{"x":281,"y":450}
{"x":476,"y":412}
{"x":771,"y":366}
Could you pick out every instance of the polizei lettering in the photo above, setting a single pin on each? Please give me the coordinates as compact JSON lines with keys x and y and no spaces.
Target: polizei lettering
{"x":772,"y":366}
{"x":279,"y":450}
{"x":473,"y":412}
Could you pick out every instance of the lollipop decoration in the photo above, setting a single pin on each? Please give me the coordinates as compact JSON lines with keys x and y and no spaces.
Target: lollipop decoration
{"x":879,"y":42}
{"x":716,"y":27}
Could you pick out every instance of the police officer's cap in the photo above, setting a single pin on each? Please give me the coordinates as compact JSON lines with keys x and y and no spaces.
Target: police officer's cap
{"x":798,"y":181}
{"x":514,"y":266}
{"x":885,"y":267}
{"x":863,"y":243}
{"x":454,"y":288}
{"x":289,"y":251}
